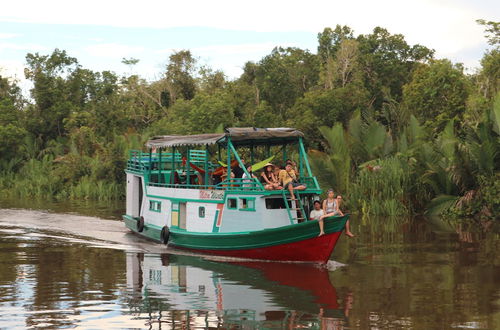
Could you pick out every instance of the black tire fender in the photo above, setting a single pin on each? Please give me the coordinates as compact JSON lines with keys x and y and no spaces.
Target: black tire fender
{"x":165,"y":234}
{"x":140,"y":225}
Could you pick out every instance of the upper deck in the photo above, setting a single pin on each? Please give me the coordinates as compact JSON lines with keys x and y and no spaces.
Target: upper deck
{"x":197,"y":161}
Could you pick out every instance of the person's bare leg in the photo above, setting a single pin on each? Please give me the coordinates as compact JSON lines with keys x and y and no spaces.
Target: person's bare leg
{"x":348,"y":229}
{"x":290,"y":189}
{"x":321,"y":227}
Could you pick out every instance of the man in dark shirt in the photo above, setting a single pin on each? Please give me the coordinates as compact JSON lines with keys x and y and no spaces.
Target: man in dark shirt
{"x":238,"y":171}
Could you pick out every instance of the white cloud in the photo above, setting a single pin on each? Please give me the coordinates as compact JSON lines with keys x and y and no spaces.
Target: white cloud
{"x":113,"y":50}
{"x":8,"y":35}
{"x":446,"y":25}
{"x":21,"y":46}
{"x":15,"y":71}
{"x":12,"y":69}
{"x":239,"y":49}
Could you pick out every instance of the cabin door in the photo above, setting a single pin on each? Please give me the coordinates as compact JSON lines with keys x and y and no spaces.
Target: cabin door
{"x":141,"y":195}
{"x":182,"y":215}
{"x":134,"y":195}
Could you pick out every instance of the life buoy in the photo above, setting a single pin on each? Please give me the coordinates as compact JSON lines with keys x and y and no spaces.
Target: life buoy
{"x":165,"y":234}
{"x":140,"y":225}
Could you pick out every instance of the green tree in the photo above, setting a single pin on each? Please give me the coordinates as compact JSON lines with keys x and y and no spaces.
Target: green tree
{"x":388,"y":62}
{"x":11,"y":132}
{"x":437,"y":93}
{"x":284,"y":76}
{"x":50,"y":93}
{"x":492,"y":31}
{"x":179,"y":76}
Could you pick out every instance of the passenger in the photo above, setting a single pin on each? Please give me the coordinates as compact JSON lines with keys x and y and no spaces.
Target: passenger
{"x":347,"y":224}
{"x":238,"y":171}
{"x":288,"y":179}
{"x":224,"y":177}
{"x":244,"y":176}
{"x":217,"y":179}
{"x":331,"y":208}
{"x":294,"y":165}
{"x":316,"y":215}
{"x":268,"y":179}
{"x":317,"y":212}
{"x":277,"y":171}
{"x":199,"y":177}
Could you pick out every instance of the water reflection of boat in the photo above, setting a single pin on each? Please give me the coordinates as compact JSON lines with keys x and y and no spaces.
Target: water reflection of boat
{"x":249,"y":291}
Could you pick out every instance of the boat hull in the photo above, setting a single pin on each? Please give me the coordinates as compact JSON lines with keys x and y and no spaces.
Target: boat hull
{"x":316,"y":250}
{"x":297,"y":242}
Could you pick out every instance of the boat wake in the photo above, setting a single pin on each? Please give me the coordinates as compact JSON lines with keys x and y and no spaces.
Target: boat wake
{"x":99,"y":233}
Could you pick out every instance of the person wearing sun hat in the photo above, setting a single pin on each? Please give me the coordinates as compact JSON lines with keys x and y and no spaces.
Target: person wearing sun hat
{"x":268,"y":179}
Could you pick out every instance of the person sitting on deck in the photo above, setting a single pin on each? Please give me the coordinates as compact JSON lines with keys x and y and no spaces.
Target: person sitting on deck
{"x":316,"y":215}
{"x":244,"y":176}
{"x":268,"y":179}
{"x":294,"y":165}
{"x":347,"y":224}
{"x":288,"y":179}
{"x":331,"y":208}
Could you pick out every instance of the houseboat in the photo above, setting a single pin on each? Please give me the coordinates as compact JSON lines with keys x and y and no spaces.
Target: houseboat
{"x":184,"y":192}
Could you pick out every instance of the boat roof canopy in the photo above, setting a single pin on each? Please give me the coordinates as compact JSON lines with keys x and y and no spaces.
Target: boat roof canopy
{"x":240,"y":136}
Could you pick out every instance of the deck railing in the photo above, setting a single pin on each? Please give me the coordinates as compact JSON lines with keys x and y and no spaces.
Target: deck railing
{"x":230,"y":184}
{"x":157,"y":171}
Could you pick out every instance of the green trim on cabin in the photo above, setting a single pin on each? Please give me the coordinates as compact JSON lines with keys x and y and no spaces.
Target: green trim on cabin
{"x":152,"y":208}
{"x":248,"y":208}
{"x":183,"y":200}
{"x":255,"y":239}
{"x":200,"y":213}
{"x":215,"y":229}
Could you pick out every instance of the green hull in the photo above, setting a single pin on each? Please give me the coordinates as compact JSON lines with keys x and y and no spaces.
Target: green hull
{"x":255,"y":239}
{"x":240,"y":240}
{"x":292,"y":242}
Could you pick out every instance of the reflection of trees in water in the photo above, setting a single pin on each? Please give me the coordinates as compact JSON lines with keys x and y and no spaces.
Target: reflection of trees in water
{"x":61,"y":276}
{"x":420,"y":273}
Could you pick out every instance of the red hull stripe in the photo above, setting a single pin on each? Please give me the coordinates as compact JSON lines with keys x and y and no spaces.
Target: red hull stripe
{"x":220,"y":207}
{"x":317,"y":249}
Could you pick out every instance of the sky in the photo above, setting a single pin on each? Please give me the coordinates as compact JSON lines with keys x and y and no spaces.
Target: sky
{"x":225,"y":34}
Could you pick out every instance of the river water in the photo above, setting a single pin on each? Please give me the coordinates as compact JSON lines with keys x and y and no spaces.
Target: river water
{"x":75,"y":265}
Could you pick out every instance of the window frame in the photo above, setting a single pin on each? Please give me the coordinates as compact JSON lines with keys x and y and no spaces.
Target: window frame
{"x":155,"y":206}
{"x":236,"y":203}
{"x":248,"y":201}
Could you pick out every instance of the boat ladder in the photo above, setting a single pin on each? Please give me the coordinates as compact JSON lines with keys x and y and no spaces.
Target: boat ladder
{"x":294,"y":207}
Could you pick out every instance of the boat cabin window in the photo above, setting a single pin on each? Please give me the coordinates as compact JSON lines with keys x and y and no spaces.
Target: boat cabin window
{"x":247,"y":204}
{"x":155,"y":206}
{"x":201,"y":211}
{"x":231,"y":203}
{"x":275,"y":203}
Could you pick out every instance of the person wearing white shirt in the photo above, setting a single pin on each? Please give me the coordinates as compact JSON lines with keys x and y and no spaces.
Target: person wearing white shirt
{"x":316,"y":215}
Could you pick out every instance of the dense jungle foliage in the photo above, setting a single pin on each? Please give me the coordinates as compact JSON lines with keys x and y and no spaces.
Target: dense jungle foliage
{"x":388,"y":125}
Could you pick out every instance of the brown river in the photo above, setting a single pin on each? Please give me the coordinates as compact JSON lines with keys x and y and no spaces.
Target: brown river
{"x":76,"y":266}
